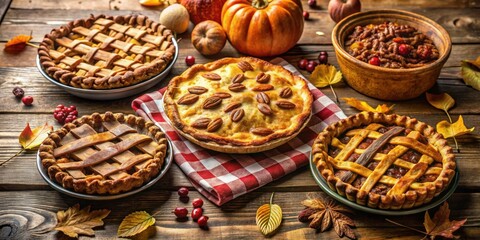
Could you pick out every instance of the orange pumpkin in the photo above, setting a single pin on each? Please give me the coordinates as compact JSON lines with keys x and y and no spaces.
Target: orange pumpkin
{"x":263,"y":28}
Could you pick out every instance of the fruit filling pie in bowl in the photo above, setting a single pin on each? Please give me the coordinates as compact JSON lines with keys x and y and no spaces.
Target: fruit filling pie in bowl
{"x":238,"y":105}
{"x":384,"y":161}
{"x":104,"y":153}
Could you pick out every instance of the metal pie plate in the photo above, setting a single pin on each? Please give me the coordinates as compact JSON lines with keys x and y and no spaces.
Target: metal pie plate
{"x":442,"y":197}
{"x":166,"y":165}
{"x":114,"y":93}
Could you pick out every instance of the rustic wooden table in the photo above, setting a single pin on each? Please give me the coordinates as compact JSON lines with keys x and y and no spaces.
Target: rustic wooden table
{"x":26,"y":201}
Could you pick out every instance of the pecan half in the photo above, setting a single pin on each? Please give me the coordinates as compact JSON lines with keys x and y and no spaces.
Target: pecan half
{"x":245,"y":66}
{"x":263,"y":77}
{"x":232,"y":106}
{"x":222,"y":95}
{"x":212,"y":102}
{"x":238,"y":78}
{"x":214,"y":125}
{"x":261,"y":131}
{"x":262,"y":87}
{"x":188,"y":99}
{"x":286,"y":92}
{"x":237,"y":115}
{"x":262,"y":98}
{"x":201,"y":123}
{"x":212,"y":76}
{"x":197,"y":90}
{"x":264,"y":108}
{"x":236,"y":87}
{"x":285,"y":104}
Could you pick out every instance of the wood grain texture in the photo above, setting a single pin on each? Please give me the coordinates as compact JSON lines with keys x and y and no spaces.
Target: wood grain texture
{"x":4,"y":5}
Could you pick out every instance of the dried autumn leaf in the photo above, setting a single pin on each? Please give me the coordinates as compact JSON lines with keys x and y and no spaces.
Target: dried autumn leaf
{"x":75,"y":221}
{"x":364,"y":106}
{"x":17,"y":43}
{"x":269,"y":217}
{"x":325,"y":75}
{"x":475,"y":62}
{"x":455,"y":129}
{"x":441,"y":101}
{"x":471,"y":74}
{"x":31,"y":139}
{"x":135,"y":223}
{"x":441,"y":225}
{"x":151,"y":3}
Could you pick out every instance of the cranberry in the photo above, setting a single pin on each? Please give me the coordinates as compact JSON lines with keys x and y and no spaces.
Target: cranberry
{"x":311,"y":67}
{"x":312,"y":3}
{"x":424,"y":52}
{"x":313,"y":62}
{"x":183,"y":192}
{"x":202,"y":221}
{"x":403,"y":49}
{"x":18,"y":92}
{"x":196,"y":213}
{"x":197,"y":203}
{"x":374,"y":61}
{"x":323,"y":57}
{"x":190,"y":60}
{"x":302,"y":64}
{"x":180,"y":212}
{"x":27,"y":100}
{"x":65,"y":114}
{"x":306,"y":15}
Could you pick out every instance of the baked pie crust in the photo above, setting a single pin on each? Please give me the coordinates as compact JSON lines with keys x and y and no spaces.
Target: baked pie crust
{"x":104,"y":153}
{"x":384,"y":161}
{"x":104,"y":52}
{"x":238,"y":105}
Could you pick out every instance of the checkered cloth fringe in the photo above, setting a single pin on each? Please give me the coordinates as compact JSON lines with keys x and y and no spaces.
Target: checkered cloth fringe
{"x":222,"y":177}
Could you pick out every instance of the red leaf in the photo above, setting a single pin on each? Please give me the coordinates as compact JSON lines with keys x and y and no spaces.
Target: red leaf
{"x":441,"y":225}
{"x":17,"y":43}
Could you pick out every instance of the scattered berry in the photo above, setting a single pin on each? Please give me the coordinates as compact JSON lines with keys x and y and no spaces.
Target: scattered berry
{"x":180,"y":212}
{"x":306,"y":15}
{"x":190,"y":60}
{"x":197,"y":203}
{"x":374,"y":61}
{"x":183,"y":192}
{"x":403,"y":49}
{"x":196,"y":213}
{"x":313,"y":62}
{"x":65,"y":114}
{"x":424,"y":52}
{"x":302,"y":64}
{"x":27,"y":100}
{"x":311,"y":67}
{"x":312,"y":3}
{"x":18,"y":92}
{"x":202,"y":221}
{"x":323,"y":57}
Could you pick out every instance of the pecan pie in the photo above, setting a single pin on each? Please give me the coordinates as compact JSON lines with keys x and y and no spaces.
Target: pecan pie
{"x":104,"y":153}
{"x":384,"y":161}
{"x":103,"y":52}
{"x":238,"y":105}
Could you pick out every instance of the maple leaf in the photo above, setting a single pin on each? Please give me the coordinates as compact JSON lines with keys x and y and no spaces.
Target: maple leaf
{"x":17,"y":43}
{"x":455,"y":129}
{"x":364,"y":106}
{"x":441,"y":225}
{"x":325,"y":213}
{"x":471,"y":73}
{"x":75,"y":221}
{"x":31,"y":139}
{"x":326,"y":75}
{"x":135,"y":223}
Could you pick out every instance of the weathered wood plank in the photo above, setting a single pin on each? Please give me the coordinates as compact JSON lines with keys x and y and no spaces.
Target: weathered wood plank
{"x":4,"y":5}
{"x":233,"y":220}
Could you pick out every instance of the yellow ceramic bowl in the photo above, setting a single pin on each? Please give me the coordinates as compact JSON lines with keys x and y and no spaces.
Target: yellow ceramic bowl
{"x":387,"y":83}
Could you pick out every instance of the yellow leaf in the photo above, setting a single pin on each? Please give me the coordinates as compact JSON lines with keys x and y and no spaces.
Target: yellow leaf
{"x":325,"y":75}
{"x":441,"y":101}
{"x":455,"y":129}
{"x":31,"y":139}
{"x":75,"y":221}
{"x":364,"y":106}
{"x":269,"y":217}
{"x":151,"y":3}
{"x":135,"y":223}
{"x":475,"y":62}
{"x":471,"y":74}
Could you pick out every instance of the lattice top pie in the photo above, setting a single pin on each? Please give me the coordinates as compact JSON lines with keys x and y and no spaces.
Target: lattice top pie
{"x":104,"y":153}
{"x":384,"y":161}
{"x":238,"y":104}
{"x":106,"y":52}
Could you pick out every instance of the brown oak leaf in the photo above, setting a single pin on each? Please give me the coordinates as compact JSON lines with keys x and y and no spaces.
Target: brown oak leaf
{"x":323,"y":213}
{"x":441,"y":225}
{"x":76,"y":221}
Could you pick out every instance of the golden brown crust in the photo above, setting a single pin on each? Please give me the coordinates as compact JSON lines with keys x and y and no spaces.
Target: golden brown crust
{"x":96,"y":68}
{"x":95,"y":183}
{"x":234,"y":132}
{"x":411,"y":197}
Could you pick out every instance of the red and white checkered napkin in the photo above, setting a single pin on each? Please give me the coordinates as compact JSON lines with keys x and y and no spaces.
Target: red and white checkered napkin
{"x":222,"y":177}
